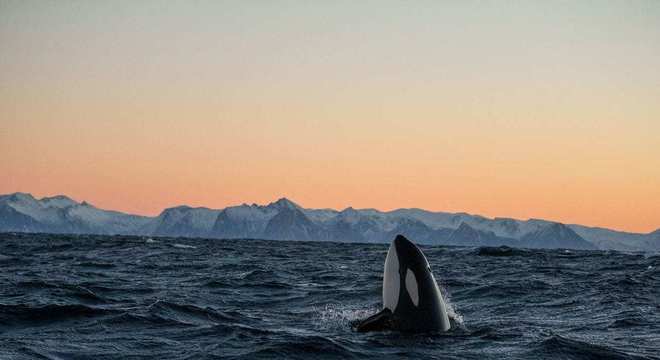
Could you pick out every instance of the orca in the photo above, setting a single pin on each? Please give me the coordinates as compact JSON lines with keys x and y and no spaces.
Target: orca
{"x":412,"y":301}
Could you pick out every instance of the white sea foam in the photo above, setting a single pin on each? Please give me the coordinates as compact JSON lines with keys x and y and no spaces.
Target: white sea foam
{"x":342,"y":315}
{"x":454,"y":316}
{"x":183,"y":246}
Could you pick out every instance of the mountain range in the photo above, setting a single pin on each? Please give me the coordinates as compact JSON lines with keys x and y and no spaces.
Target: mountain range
{"x":286,"y":220}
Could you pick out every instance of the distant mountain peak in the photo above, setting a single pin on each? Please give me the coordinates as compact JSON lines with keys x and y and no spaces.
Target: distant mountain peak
{"x":556,"y":235}
{"x":58,"y":201}
{"x":349,"y":215}
{"x":56,"y":197}
{"x":20,"y":196}
{"x":174,"y":210}
{"x":292,"y":224}
{"x":178,"y":207}
{"x":468,"y":235}
{"x":283,"y":203}
{"x":349,"y":211}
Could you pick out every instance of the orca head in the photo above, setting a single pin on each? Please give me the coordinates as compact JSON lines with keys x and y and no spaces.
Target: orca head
{"x":404,"y":261}
{"x":410,"y":291}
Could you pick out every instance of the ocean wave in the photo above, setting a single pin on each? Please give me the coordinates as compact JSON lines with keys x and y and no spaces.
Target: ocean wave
{"x":501,"y":251}
{"x":301,"y":347}
{"x":120,"y":297}
{"x":5,"y":258}
{"x":34,"y":315}
{"x":557,"y":346}
{"x":96,"y":264}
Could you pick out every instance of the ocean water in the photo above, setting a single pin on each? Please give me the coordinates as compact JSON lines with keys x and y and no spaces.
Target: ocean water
{"x":100,"y":297}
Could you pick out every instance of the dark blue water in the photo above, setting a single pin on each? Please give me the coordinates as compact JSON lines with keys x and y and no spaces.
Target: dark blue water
{"x":95,"y":297}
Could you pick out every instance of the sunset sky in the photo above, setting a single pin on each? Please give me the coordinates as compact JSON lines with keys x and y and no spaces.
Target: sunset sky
{"x":546,"y":109}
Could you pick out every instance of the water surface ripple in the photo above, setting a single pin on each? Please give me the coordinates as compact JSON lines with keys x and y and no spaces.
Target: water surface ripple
{"x":100,"y":297}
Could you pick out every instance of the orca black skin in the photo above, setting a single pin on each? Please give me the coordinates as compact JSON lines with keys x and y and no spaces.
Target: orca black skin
{"x":411,"y":299}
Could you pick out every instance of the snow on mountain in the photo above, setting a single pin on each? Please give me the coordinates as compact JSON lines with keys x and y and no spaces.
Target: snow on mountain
{"x":618,"y":240}
{"x":284,"y":219}
{"x":252,"y":212}
{"x":27,"y":205}
{"x":61,"y":214}
{"x":12,"y":220}
{"x":89,"y":219}
{"x":371,"y":218}
{"x":350,"y":215}
{"x":244,"y":221}
{"x":185,"y":221}
{"x":320,"y":215}
{"x":283,"y":203}
{"x":432,"y":219}
{"x":412,"y":228}
{"x":358,"y":225}
{"x":292,"y":224}
{"x":502,"y":227}
{"x":556,"y":235}
{"x":468,"y":235}
{"x":59,"y":201}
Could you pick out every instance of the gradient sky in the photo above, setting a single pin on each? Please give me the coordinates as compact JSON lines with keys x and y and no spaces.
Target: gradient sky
{"x":546,"y":109}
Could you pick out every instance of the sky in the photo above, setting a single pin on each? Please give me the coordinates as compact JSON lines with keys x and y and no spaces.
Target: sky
{"x":523,"y":109}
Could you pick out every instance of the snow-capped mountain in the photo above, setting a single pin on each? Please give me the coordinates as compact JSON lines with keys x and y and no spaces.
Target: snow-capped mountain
{"x":60,"y":214}
{"x":468,"y":235}
{"x":291,"y":223}
{"x":285,"y":220}
{"x":183,"y":221}
{"x":556,"y":236}
{"x":244,"y":221}
{"x":618,"y":240}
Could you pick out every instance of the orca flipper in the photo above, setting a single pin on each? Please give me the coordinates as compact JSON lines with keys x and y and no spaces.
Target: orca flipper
{"x":377,"y":322}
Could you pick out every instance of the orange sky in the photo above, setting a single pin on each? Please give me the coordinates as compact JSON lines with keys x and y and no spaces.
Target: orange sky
{"x":532,"y":111}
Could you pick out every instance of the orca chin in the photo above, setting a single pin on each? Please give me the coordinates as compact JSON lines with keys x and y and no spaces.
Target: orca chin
{"x":412,"y":301}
